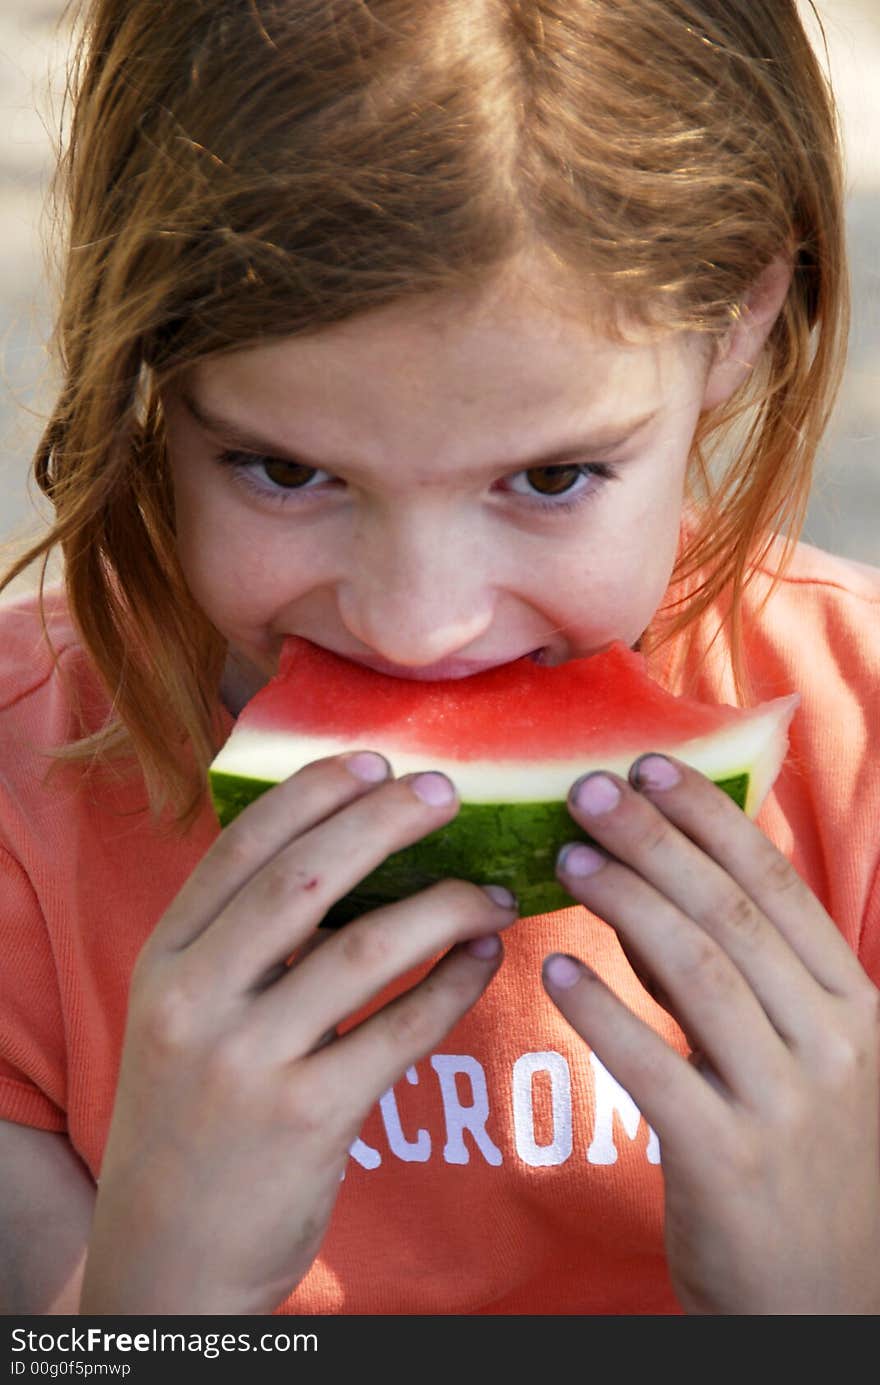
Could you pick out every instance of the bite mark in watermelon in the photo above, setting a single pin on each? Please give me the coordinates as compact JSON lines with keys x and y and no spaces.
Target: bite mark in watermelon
{"x":513,"y":739}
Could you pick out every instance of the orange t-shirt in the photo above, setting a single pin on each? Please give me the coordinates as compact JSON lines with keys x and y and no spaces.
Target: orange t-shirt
{"x":507,"y":1172}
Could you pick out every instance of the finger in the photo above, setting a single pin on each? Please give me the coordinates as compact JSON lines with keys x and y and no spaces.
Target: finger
{"x":360,"y":960}
{"x":653,"y":988}
{"x":635,"y":831}
{"x":708,"y":995}
{"x":643,"y":973}
{"x":328,"y":1037}
{"x":672,"y":1095}
{"x":706,"y":815}
{"x":314,"y":940}
{"x":259,"y":832}
{"x":354,"y":1072}
{"x":280,"y":906}
{"x":652,"y":985}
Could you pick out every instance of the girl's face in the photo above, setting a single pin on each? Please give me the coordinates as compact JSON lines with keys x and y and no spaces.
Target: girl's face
{"x":435,"y":487}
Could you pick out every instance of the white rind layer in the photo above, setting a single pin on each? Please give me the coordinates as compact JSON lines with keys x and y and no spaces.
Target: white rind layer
{"x":756,"y":744}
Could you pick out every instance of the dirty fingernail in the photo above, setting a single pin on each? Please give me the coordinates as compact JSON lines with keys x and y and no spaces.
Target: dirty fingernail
{"x":562,"y":971}
{"x":485,"y":948}
{"x":579,"y":860}
{"x":433,"y":788}
{"x":500,"y":895}
{"x":655,"y":772}
{"x":596,"y":793}
{"x":367,"y":765}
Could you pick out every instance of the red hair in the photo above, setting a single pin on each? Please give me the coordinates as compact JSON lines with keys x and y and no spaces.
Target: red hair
{"x":252,"y":169}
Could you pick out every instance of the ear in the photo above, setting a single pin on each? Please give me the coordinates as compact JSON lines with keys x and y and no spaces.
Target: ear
{"x":738,"y":351}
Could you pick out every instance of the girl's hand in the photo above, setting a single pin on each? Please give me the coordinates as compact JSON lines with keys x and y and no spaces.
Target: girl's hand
{"x":237,"y":1102}
{"x":769,"y":1135}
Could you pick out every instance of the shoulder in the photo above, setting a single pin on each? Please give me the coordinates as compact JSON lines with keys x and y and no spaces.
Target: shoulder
{"x":815,"y":574}
{"x":37,"y":641}
{"x":809,"y":623}
{"x":50,"y":694}
{"x":810,"y":626}
{"x":47,"y":677}
{"x":819,"y":635}
{"x":813,"y":627}
{"x":33,"y":637}
{"x":818,"y":619}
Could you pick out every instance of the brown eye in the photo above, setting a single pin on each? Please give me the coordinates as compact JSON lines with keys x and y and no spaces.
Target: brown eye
{"x":290,"y":475}
{"x":553,"y":480}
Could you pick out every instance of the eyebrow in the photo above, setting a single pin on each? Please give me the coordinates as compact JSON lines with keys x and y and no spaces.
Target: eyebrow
{"x":248,"y":441}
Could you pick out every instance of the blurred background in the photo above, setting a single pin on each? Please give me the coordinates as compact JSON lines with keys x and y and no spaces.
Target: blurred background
{"x":844,"y":515}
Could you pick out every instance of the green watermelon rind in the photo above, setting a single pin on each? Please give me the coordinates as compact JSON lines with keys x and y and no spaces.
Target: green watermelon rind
{"x":512,"y":844}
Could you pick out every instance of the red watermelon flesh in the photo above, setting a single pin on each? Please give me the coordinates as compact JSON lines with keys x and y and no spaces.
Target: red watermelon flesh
{"x":521,"y":709}
{"x":513,"y":739}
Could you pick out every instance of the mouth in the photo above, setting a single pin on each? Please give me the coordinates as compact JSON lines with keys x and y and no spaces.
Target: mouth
{"x":444,"y":669}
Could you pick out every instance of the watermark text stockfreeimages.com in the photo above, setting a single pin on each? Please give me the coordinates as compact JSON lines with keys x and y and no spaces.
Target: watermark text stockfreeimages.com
{"x":75,"y":1342}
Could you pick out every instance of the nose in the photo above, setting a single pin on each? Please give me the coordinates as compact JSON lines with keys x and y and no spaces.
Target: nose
{"x":416,"y":592}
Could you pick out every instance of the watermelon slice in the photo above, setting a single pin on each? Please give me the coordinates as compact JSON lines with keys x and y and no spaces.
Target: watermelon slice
{"x":513,"y":739}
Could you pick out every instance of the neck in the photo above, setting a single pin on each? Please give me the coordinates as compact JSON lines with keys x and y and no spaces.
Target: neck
{"x":240,"y":681}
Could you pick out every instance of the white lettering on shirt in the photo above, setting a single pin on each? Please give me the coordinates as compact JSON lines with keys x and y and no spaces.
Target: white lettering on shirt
{"x":558,"y":1149}
{"x":460,"y":1118}
{"x":470,"y":1117}
{"x":410,"y":1151}
{"x":611,"y":1098}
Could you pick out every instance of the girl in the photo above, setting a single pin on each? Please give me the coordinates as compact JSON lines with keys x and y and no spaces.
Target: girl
{"x":438,"y":333}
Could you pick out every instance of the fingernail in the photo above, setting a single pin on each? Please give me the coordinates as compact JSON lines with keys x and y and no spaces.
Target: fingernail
{"x":367,"y":765}
{"x":654,"y":772}
{"x":595,"y":793}
{"x":433,"y":788}
{"x":579,"y":860}
{"x":485,"y":948}
{"x":562,"y":971}
{"x":500,"y":895}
